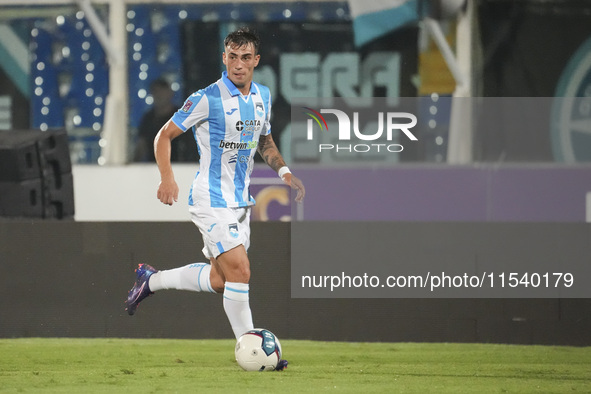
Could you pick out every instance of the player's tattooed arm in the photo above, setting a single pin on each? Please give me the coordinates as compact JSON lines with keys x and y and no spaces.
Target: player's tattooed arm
{"x":269,"y":152}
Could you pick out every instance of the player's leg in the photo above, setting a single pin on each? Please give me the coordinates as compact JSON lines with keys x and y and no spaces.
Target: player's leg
{"x":191,"y":277}
{"x":195,"y":277}
{"x":217,"y":277}
{"x":235,"y":266}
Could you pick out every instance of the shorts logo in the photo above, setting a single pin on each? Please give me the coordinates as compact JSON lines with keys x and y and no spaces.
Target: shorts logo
{"x":233,"y":230}
{"x":187,"y":106}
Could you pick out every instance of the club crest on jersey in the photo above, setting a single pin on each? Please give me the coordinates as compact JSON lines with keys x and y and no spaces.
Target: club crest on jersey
{"x":259,"y":109}
{"x":187,"y":106}
{"x":233,"y":228}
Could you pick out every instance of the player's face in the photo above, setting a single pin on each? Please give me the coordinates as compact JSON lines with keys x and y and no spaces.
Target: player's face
{"x":240,"y":63}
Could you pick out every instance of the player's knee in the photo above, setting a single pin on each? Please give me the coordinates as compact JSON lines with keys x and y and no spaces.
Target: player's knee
{"x":217,"y":284}
{"x":242,"y":273}
{"x":235,"y":265}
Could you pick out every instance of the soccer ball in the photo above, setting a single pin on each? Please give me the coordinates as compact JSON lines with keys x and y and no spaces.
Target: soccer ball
{"x":258,"y":350}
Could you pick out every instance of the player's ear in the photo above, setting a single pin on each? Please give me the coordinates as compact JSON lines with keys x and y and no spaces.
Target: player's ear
{"x":224,"y":57}
{"x":256,"y":60}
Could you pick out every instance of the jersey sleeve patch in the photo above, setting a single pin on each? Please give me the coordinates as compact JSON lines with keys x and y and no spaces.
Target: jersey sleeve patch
{"x":187,"y":106}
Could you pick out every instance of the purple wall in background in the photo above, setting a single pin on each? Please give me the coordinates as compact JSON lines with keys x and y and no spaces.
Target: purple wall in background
{"x":508,"y":193}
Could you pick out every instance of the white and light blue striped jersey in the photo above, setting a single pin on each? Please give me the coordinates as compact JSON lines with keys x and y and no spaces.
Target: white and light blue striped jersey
{"x":227,"y":126}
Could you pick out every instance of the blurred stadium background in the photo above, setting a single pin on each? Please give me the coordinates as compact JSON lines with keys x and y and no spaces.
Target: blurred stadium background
{"x":504,"y":89}
{"x":58,"y":56}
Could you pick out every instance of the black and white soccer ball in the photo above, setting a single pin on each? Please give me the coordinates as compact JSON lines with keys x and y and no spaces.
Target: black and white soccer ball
{"x":258,"y":350}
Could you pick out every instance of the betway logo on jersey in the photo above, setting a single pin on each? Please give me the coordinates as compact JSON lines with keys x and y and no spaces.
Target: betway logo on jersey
{"x":238,"y":145}
{"x":395,"y":122}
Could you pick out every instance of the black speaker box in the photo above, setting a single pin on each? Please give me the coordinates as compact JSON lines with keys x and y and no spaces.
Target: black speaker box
{"x":35,"y":174}
{"x":58,"y":196}
{"x":22,"y":199}
{"x":25,"y":154}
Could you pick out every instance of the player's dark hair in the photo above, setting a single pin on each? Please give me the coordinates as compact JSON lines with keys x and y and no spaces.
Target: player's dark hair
{"x":243,"y":36}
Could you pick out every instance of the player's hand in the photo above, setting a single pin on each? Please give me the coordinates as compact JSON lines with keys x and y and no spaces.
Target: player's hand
{"x":168,"y":192}
{"x":296,"y":184}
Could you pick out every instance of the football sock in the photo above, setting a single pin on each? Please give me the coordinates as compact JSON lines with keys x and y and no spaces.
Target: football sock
{"x":237,"y":307}
{"x":192,"y":277}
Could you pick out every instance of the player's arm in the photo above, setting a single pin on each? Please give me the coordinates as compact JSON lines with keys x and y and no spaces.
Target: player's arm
{"x":270,"y":154}
{"x":168,"y":190}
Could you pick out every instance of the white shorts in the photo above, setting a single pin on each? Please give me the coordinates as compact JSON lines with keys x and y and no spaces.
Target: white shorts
{"x":222,"y":228}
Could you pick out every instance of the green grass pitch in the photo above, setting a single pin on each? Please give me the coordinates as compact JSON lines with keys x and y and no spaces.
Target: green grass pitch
{"x":208,"y":366}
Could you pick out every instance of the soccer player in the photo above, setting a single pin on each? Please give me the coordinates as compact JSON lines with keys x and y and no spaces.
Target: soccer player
{"x":230,"y":121}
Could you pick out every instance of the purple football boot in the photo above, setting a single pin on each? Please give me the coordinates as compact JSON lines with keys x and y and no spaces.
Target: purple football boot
{"x":140,"y":289}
